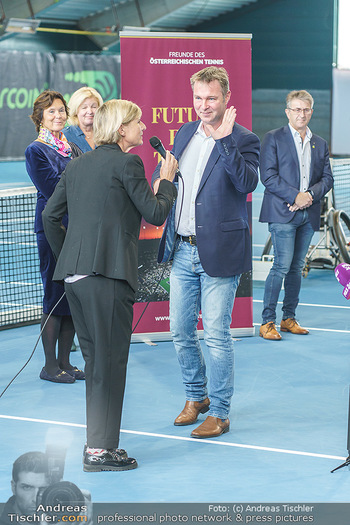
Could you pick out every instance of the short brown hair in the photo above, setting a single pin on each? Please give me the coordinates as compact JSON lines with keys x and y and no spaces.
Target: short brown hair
{"x":44,"y":101}
{"x":300,"y":95}
{"x":208,"y":74}
{"x":30,"y":462}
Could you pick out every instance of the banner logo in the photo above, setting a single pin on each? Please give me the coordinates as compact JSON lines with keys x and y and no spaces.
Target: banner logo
{"x":103,"y":81}
{"x":19,"y":98}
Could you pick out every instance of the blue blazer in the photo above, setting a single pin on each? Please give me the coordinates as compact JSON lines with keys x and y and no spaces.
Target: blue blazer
{"x":280,"y":174}
{"x":44,"y":166}
{"x":222,"y":227}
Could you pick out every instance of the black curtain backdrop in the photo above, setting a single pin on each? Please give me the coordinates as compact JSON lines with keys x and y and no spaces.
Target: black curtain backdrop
{"x":24,"y":75}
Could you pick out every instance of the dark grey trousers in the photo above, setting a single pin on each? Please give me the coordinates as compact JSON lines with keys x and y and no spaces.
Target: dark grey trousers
{"x":102,"y":311}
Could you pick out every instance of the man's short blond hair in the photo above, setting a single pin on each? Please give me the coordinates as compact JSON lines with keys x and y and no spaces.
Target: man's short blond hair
{"x":208,"y":74}
{"x":110,"y":116}
{"x":300,"y":95}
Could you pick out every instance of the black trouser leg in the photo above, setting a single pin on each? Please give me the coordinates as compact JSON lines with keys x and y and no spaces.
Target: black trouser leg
{"x":102,"y":311}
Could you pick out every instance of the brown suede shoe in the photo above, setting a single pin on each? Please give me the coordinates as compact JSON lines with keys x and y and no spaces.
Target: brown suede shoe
{"x":190,"y":413}
{"x":268,"y":331}
{"x":292,"y":325}
{"x":211,"y":427}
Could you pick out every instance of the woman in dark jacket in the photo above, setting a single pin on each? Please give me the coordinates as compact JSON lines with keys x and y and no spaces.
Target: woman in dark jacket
{"x":106,"y":193}
{"x":46,"y":158}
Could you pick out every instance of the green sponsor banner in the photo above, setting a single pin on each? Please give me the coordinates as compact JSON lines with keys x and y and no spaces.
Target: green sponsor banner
{"x":73,"y":71}
{"x":24,"y":75}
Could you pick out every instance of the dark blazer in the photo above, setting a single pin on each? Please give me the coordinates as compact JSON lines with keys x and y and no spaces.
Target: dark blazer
{"x":280,"y":174}
{"x":222,"y":227}
{"x":44,"y":166}
{"x":105,"y":193}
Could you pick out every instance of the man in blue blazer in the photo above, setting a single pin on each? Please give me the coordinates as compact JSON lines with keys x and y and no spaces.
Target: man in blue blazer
{"x":296,"y":173}
{"x":218,"y":160}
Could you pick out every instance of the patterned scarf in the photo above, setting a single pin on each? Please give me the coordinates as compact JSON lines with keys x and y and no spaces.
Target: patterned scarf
{"x":60,"y":145}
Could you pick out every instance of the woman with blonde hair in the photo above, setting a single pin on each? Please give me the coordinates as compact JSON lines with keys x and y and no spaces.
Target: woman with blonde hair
{"x":82,"y":105}
{"x":106,"y":193}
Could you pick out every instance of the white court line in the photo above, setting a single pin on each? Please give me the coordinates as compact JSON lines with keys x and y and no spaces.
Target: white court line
{"x":317,"y":306}
{"x":46,"y":421}
{"x":181,"y":438}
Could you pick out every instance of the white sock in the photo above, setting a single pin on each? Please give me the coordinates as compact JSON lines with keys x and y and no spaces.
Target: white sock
{"x":96,"y":451}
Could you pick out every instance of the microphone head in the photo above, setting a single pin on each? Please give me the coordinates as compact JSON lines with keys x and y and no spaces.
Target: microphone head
{"x":342,"y":273}
{"x":155,"y":142}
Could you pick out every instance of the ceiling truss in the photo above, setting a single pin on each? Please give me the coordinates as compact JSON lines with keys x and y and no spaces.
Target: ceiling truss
{"x":101,"y":20}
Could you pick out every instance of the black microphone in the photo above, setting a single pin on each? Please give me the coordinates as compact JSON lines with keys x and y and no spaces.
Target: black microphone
{"x":156,"y":143}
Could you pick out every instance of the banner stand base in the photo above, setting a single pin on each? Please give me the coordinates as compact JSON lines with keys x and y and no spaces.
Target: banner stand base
{"x":152,"y":337}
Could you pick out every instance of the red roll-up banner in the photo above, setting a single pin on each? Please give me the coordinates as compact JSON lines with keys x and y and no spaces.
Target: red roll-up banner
{"x":155,"y":74}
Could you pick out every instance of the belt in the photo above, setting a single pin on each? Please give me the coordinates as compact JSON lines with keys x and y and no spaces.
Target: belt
{"x":192,"y":239}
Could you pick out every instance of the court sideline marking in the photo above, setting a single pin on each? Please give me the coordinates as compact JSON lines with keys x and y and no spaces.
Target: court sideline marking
{"x":315,"y":306}
{"x":182,"y":438}
{"x":311,"y":304}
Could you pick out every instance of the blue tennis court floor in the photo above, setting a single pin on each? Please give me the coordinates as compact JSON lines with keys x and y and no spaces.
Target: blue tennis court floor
{"x":288,"y":418}
{"x":289,"y":413}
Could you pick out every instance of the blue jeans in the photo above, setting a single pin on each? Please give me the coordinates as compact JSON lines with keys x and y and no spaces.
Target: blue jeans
{"x":290,"y":242}
{"x":192,"y":290}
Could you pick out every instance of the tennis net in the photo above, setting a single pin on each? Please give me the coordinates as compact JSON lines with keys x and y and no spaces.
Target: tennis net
{"x":21,"y":290}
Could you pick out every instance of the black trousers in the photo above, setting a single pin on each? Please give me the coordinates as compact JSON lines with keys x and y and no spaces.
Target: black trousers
{"x":102,"y":311}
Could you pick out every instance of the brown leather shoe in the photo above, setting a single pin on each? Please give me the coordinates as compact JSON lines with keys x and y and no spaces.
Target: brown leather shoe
{"x":292,"y":325}
{"x":268,"y":331}
{"x":190,"y":413}
{"x":211,"y":427}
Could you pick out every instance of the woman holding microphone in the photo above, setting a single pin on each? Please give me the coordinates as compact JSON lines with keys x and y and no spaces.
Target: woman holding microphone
{"x":106,"y":193}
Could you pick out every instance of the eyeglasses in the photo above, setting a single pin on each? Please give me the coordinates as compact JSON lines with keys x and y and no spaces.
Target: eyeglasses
{"x":298,"y":111}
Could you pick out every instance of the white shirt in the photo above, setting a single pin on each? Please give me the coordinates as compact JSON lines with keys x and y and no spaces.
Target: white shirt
{"x":303,"y":148}
{"x":191,"y":165}
{"x":74,"y":278}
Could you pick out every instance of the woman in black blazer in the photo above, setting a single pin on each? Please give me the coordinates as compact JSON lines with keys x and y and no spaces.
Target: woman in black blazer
{"x":106,"y":193}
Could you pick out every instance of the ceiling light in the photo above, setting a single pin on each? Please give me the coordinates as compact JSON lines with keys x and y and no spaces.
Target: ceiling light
{"x":21,"y":25}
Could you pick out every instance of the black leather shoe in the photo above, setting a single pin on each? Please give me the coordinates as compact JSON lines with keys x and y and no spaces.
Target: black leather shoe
{"x":76,"y":373}
{"x":60,"y":377}
{"x":110,"y":460}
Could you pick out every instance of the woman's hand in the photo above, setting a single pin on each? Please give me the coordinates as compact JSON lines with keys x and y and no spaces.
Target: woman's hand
{"x":168,"y":167}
